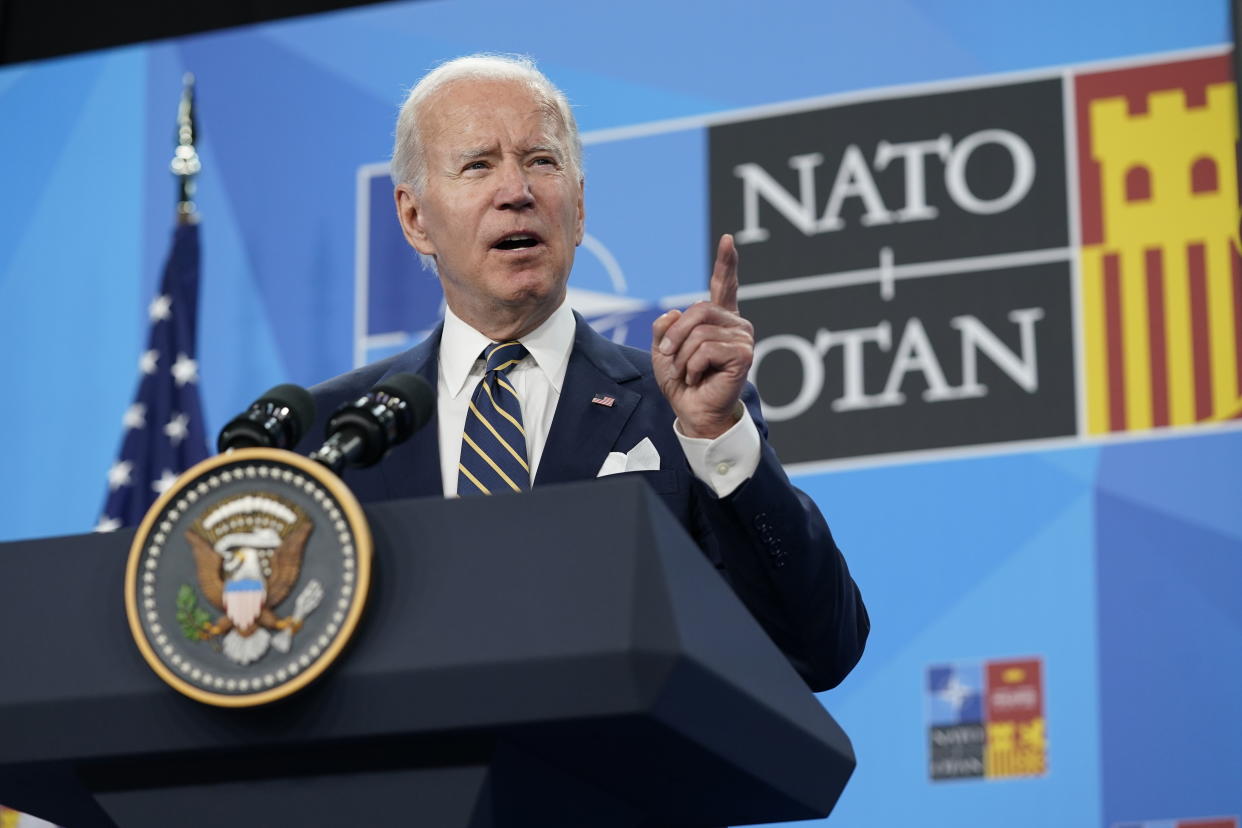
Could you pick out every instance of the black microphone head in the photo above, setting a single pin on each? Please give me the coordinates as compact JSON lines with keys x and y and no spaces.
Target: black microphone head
{"x":276,"y":419}
{"x":361,"y":432}
{"x":416,"y":393}
{"x":301,"y":407}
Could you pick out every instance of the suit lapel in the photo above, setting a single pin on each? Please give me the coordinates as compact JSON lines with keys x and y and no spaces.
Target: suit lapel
{"x":583,"y":432}
{"x":413,"y":468}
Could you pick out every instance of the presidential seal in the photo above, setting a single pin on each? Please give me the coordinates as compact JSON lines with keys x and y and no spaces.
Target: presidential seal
{"x":248,"y":576}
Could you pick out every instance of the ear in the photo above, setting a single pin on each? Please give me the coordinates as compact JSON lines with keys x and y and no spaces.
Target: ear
{"x":581,"y":210}
{"x":411,"y":218}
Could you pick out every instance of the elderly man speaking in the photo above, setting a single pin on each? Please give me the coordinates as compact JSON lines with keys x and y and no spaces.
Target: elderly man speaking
{"x":489,"y":183}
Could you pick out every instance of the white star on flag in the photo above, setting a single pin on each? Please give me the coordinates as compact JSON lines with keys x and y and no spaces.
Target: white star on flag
{"x":176,"y":428}
{"x":166,"y":480}
{"x":135,"y":416}
{"x":185,"y":370}
{"x":107,"y":524}
{"x":163,"y":426}
{"x":160,"y":308}
{"x":118,"y":475}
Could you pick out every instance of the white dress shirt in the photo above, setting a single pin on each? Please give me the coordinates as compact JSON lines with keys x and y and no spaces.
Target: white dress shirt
{"x":723,"y":463}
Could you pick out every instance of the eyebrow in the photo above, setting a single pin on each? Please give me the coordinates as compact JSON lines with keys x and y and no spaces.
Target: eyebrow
{"x":476,"y":153}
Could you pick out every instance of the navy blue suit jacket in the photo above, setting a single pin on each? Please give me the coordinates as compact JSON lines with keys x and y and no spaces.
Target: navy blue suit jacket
{"x":767,"y":539}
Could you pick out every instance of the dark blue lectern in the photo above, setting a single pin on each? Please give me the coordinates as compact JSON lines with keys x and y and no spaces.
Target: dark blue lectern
{"x":593,"y":670}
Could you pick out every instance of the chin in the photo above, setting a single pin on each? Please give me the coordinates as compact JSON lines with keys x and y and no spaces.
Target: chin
{"x":536,"y":286}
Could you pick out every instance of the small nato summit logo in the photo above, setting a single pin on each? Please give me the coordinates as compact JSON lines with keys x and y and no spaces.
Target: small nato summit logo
{"x":986,"y":719}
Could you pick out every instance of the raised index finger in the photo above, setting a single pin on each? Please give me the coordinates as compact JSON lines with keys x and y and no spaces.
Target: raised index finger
{"x":724,"y":275}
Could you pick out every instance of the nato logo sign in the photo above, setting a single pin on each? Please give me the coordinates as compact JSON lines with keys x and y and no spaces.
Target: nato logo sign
{"x":906,"y":266}
{"x":986,"y":719}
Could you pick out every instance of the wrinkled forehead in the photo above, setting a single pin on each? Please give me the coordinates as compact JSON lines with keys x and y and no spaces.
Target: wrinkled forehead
{"x":468,"y":111}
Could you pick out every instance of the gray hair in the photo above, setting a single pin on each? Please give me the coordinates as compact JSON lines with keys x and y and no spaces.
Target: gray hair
{"x":409,"y":163}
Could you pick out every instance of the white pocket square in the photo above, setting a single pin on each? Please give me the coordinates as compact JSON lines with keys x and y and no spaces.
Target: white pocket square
{"x":643,"y":457}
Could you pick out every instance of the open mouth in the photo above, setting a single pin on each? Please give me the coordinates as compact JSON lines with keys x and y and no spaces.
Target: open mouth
{"x":517,"y":241}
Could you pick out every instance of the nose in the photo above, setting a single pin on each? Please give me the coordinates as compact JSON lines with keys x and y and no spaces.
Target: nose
{"x":512,"y":188}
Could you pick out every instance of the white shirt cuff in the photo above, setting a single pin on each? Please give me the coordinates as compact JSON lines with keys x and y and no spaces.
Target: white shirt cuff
{"x":727,"y":461}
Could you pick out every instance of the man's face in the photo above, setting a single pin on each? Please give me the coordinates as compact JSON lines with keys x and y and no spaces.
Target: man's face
{"x":502,"y":207}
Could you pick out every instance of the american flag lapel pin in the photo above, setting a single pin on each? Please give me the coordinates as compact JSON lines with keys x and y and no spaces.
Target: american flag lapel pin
{"x":604,"y":399}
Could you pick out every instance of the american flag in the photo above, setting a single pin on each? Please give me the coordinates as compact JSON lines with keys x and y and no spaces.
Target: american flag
{"x":164,"y":432}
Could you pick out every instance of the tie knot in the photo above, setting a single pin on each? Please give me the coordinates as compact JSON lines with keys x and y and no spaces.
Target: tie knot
{"x":501,"y":356}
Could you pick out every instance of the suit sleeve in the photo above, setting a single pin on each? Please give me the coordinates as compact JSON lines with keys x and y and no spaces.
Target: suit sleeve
{"x":775,"y":549}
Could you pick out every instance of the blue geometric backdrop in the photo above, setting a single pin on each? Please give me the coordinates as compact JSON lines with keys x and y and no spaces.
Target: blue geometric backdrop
{"x":1115,"y":562}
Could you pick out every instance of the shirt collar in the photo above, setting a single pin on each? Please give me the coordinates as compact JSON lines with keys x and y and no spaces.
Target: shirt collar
{"x":549,"y":345}
{"x":551,"y":342}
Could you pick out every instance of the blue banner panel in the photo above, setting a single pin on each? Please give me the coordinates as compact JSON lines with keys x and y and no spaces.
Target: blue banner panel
{"x":990,"y":250}
{"x":1169,"y":551}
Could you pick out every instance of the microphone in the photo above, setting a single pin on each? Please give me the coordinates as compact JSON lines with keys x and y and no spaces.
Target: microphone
{"x":278,"y":419}
{"x":360,"y":433}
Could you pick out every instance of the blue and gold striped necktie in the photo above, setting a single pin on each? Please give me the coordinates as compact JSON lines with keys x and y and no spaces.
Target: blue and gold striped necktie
{"x":493,"y":443}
